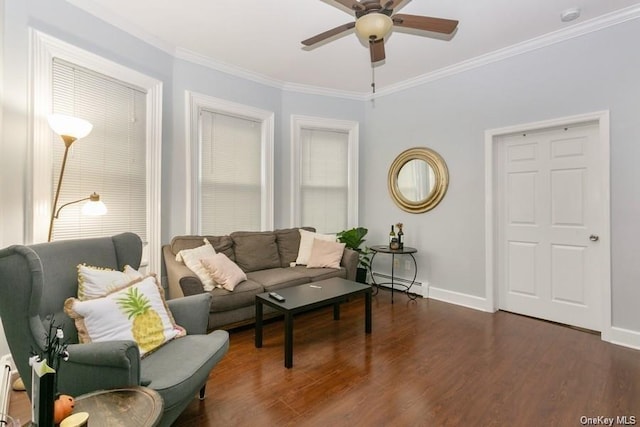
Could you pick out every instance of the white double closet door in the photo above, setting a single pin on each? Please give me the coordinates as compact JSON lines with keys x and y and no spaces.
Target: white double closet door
{"x":549,"y":220}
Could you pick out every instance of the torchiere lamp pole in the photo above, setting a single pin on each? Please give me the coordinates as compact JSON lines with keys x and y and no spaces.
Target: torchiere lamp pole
{"x":70,"y":130}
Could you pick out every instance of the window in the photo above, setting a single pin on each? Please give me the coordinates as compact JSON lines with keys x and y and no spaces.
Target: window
{"x":325,"y":194}
{"x":119,"y":159}
{"x":109,"y":161}
{"x":231,"y":164}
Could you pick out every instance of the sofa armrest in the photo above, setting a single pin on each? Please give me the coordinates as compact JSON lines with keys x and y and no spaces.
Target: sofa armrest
{"x":99,"y":365}
{"x":191,"y":285}
{"x":192,"y":312}
{"x":350,"y":260}
{"x":175,"y":271}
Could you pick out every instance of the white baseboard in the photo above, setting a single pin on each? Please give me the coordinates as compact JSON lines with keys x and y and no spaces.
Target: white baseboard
{"x":458,"y":298}
{"x":623,"y":337}
{"x":619,"y":336}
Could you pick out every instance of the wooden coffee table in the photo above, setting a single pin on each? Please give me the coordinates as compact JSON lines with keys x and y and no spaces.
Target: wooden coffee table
{"x":126,"y":407}
{"x":299,"y":299}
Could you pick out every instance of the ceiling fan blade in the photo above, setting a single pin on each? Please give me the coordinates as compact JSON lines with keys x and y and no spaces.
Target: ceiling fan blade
{"x":426,"y":23}
{"x":376,"y":48}
{"x":390,"y":4}
{"x":327,"y":34}
{"x":351,"y":4}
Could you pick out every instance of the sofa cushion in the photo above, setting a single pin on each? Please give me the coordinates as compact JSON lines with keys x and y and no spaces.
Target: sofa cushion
{"x":277,"y":278}
{"x":242,"y":296}
{"x":222,"y":244}
{"x":315,"y":274}
{"x":288,"y":241}
{"x":255,"y":250}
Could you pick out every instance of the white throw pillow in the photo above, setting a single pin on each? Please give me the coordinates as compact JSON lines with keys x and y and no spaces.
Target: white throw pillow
{"x":306,"y":243}
{"x":224,"y":271}
{"x":137,"y":312}
{"x":96,"y":282}
{"x":325,"y":254}
{"x":192,"y":257}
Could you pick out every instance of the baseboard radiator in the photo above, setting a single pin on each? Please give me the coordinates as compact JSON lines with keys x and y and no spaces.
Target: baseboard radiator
{"x":6,"y":365}
{"x":396,"y":279}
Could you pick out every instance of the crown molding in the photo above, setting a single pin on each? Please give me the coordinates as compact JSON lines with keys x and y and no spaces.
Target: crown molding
{"x":123,"y":24}
{"x":590,"y":26}
{"x":236,"y":71}
{"x":577,"y":30}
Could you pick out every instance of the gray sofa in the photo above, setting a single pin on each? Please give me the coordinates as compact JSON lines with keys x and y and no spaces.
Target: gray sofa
{"x":36,"y":280}
{"x":264,"y":256}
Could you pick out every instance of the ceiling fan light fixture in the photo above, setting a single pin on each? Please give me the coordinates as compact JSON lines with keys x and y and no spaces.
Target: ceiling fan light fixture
{"x":373,"y":26}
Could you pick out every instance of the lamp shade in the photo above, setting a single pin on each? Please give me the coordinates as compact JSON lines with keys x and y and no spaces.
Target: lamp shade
{"x":69,"y":125}
{"x":94,"y":206}
{"x":374,"y":26}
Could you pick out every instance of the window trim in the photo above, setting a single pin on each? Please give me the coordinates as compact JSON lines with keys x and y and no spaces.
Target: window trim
{"x":195,"y":103}
{"x":299,"y":122}
{"x":43,"y":48}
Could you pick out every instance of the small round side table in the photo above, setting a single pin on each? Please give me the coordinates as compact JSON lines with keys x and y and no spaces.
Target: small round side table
{"x":127,"y":407}
{"x":393,"y":252}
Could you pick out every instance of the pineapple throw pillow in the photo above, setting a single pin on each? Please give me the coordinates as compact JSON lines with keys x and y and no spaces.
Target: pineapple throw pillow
{"x":137,"y":312}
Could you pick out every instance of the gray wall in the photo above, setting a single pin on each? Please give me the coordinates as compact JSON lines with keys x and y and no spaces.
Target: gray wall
{"x":598,"y":71}
{"x":594,"y":72}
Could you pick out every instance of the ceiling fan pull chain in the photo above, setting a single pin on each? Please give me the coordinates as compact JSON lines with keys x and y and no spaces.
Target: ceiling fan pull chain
{"x":373,"y":78}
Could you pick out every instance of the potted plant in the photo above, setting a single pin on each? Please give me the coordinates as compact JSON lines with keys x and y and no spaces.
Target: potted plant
{"x":353,"y":239}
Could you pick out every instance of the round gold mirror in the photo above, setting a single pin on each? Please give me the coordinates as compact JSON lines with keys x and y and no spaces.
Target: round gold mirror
{"x":418,"y":179}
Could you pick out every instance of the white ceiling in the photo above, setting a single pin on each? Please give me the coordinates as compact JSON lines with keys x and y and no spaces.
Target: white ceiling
{"x":261,"y":38}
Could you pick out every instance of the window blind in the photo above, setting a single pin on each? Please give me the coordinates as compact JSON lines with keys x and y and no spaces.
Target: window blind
{"x":111,"y":160}
{"x":230,"y":174}
{"x":324,"y":179}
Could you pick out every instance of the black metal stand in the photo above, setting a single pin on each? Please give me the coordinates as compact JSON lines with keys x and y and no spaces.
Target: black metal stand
{"x":393,"y":252}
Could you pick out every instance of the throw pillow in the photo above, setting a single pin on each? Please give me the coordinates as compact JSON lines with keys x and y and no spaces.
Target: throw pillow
{"x":95,"y":282}
{"x":137,"y":312}
{"x":325,"y":254}
{"x":224,"y":271}
{"x":192,"y":257}
{"x":306,"y":243}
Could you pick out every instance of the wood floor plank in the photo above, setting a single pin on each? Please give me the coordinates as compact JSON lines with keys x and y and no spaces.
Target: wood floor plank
{"x":426,"y":363}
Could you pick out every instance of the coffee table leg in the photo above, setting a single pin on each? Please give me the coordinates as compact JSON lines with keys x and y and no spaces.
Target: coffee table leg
{"x":336,"y":311}
{"x":258,"y":337}
{"x":288,"y":340}
{"x":367,"y":312}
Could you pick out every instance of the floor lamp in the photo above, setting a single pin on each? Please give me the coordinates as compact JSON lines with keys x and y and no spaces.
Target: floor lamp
{"x":70,"y":130}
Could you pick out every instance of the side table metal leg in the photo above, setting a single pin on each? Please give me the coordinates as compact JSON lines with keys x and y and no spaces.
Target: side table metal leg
{"x":393,"y":263}
{"x":288,"y":340}
{"x":336,"y":311}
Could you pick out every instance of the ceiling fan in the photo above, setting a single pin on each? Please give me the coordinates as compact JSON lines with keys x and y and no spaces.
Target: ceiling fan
{"x":374,"y":21}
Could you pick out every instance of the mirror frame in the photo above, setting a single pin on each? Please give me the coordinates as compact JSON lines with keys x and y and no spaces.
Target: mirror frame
{"x":441,"y":184}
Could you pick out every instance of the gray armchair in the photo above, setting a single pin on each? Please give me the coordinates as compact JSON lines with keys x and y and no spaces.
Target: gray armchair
{"x":36,"y":280}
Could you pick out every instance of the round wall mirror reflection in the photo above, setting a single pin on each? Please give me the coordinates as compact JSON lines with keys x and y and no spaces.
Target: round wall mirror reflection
{"x":418,"y":179}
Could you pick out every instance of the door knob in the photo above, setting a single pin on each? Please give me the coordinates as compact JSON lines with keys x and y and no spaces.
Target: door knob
{"x":594,"y":237}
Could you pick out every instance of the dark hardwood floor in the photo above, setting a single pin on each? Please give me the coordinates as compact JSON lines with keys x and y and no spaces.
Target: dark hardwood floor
{"x":427,"y":363}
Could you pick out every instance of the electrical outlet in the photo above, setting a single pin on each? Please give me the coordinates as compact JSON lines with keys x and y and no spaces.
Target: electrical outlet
{"x":407,"y":265}
{"x":396,"y":263}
